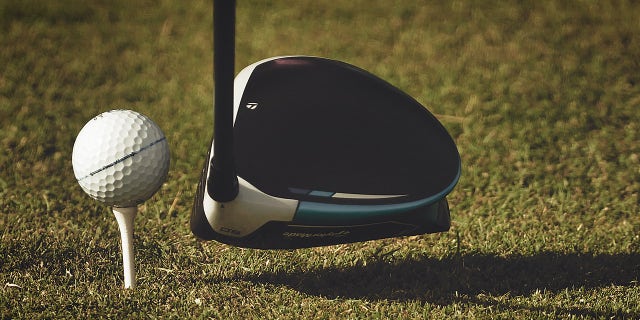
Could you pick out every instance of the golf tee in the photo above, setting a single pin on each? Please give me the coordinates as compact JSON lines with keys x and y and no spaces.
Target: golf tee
{"x":125,"y":218}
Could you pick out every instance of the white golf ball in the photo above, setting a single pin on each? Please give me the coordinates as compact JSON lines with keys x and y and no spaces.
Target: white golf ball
{"x":121,"y":158}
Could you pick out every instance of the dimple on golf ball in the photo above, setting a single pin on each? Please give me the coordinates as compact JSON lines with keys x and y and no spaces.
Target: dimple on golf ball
{"x":121,"y":158}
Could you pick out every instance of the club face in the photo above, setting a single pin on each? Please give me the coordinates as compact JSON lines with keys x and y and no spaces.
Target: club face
{"x":336,"y":154}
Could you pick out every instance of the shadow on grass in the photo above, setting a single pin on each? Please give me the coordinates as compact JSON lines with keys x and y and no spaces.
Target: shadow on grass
{"x":463,"y":279}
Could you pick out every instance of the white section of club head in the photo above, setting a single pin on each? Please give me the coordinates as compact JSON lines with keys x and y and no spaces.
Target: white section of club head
{"x":125,"y":217}
{"x":250,"y":210}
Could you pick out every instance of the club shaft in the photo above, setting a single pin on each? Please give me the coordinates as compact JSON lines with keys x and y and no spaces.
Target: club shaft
{"x":223,"y":184}
{"x":125,"y":218}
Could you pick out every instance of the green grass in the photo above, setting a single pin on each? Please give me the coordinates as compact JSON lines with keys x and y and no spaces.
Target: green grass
{"x":542,"y":98}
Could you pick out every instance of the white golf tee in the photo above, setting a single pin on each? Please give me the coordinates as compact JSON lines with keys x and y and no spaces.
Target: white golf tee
{"x":125,"y":217}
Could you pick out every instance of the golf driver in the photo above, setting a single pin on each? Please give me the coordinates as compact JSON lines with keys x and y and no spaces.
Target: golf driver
{"x":309,"y":151}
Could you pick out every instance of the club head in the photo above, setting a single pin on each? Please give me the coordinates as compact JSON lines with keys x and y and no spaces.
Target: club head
{"x":327,"y":153}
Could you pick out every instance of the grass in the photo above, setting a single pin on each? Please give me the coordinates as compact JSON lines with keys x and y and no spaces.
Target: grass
{"x":542,"y":98}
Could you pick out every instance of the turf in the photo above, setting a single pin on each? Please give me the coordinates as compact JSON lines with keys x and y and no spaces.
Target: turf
{"x":542,"y":98}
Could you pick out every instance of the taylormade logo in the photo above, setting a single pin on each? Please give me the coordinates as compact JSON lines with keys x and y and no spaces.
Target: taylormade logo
{"x":316,"y":235}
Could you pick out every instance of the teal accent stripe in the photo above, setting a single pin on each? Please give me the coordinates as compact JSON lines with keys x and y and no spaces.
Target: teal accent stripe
{"x":325,"y":194}
{"x":317,"y":213}
{"x":310,"y":213}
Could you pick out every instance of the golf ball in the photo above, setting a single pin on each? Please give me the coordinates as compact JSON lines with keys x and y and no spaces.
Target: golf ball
{"x":121,"y":158}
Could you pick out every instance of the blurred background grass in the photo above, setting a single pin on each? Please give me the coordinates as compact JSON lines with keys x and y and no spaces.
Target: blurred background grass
{"x":542,"y":98}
